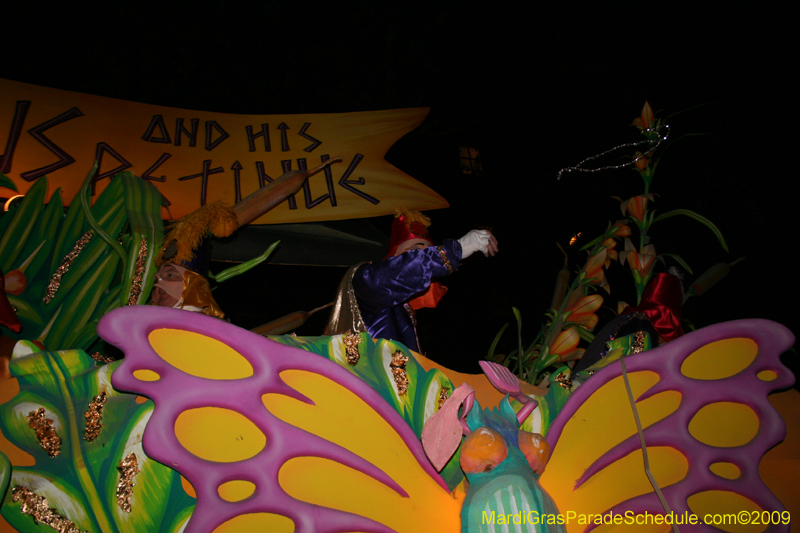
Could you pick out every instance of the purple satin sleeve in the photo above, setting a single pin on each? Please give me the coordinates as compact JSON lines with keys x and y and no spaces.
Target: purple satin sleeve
{"x":395,"y":280}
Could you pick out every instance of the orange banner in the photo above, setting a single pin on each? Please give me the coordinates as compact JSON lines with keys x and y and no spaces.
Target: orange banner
{"x":197,"y":157}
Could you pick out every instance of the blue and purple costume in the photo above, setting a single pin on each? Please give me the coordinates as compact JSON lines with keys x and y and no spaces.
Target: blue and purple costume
{"x":384,"y":289}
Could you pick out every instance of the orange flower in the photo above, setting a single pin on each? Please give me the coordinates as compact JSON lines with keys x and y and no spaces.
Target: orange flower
{"x":582,"y":311}
{"x":643,"y":121}
{"x":594,"y":269}
{"x":565,"y":345}
{"x":636,"y":206}
{"x":641,"y":261}
{"x":623,"y":231}
{"x":641,"y":162}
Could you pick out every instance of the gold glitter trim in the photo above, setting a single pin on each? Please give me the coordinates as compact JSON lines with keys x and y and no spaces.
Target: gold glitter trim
{"x":93,"y":416}
{"x":564,"y":381}
{"x":48,"y":438}
{"x":37,"y":507}
{"x":63,"y":268}
{"x":351,"y":342}
{"x":128,"y":468}
{"x":138,"y":276}
{"x":398,"y":366}
{"x":638,"y":342}
{"x":443,"y":255}
{"x":444,"y":394}
{"x":100,"y":358}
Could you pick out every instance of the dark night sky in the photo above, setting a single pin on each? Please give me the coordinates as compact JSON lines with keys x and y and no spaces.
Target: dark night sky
{"x":535,"y":90}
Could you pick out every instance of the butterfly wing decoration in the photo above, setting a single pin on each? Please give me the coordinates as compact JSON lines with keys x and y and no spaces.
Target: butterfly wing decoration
{"x":702,"y":401}
{"x":273,"y":438}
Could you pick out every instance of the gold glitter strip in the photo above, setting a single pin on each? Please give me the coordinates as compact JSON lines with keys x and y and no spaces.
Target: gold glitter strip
{"x":93,"y":416}
{"x":128,"y":468}
{"x":63,"y":268}
{"x":351,"y":342}
{"x":638,"y":342}
{"x":100,"y":358}
{"x":48,"y":438}
{"x":398,"y":366}
{"x":564,"y":381}
{"x":444,"y":394}
{"x":37,"y":507}
{"x":443,"y":255}
{"x":138,"y":276}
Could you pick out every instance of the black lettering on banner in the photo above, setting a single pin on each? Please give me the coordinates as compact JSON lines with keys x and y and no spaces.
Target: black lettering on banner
{"x":207,"y":171}
{"x":37,"y":132}
{"x":237,"y":186}
{"x":307,"y":186}
{"x":157,"y":122}
{"x":147,"y":176}
{"x":284,"y":138}
{"x":286,"y":165}
{"x":316,"y":142}
{"x":179,"y":129}
{"x":212,"y":125}
{"x":20,"y":112}
{"x":251,"y":137}
{"x":263,"y":177}
{"x":348,"y":184}
{"x":102,"y":148}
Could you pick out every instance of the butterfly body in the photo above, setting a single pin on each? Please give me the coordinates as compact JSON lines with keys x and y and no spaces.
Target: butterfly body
{"x":505,"y":496}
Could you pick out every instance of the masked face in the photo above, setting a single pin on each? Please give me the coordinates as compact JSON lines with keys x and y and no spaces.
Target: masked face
{"x":168,"y":288}
{"x":411,"y":244}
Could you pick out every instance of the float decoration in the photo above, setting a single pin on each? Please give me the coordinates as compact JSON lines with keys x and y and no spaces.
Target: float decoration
{"x":571,"y":318}
{"x":217,"y":418}
{"x":69,"y":269}
{"x":261,"y":430}
{"x":81,"y":482}
{"x":702,"y":400}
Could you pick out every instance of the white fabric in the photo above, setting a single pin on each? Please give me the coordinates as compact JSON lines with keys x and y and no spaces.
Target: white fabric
{"x":476,"y":240}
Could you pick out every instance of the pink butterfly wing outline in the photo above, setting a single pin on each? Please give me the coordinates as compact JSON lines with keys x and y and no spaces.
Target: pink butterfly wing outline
{"x":176,"y":391}
{"x":744,"y":387}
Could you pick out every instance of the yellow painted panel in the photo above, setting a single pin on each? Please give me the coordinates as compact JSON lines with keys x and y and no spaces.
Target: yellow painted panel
{"x":199,"y":355}
{"x":726,"y":470}
{"x":146,"y":375}
{"x":767,"y":375}
{"x":720,"y":359}
{"x":724,"y":424}
{"x":257,"y":523}
{"x":340,"y":416}
{"x":236,"y":490}
{"x":725,"y":511}
{"x":219,"y":435}
{"x":608,"y":418}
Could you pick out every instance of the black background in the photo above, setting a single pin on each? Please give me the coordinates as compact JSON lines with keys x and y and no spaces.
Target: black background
{"x":535,"y":89}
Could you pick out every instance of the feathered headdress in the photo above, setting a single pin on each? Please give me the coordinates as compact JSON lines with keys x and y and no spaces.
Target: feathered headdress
{"x":186,"y":241}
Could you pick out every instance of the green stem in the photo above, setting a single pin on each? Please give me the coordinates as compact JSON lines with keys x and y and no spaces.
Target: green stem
{"x":90,"y":491}
{"x":87,"y":210}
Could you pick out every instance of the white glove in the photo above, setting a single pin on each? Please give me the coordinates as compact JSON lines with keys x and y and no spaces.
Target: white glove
{"x":478,"y":240}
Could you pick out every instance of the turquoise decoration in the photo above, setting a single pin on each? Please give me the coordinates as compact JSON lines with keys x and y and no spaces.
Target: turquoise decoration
{"x":509,"y":495}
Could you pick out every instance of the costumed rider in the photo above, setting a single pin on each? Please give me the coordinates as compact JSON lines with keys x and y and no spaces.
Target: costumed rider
{"x":181,"y":279}
{"x":382,"y":298}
